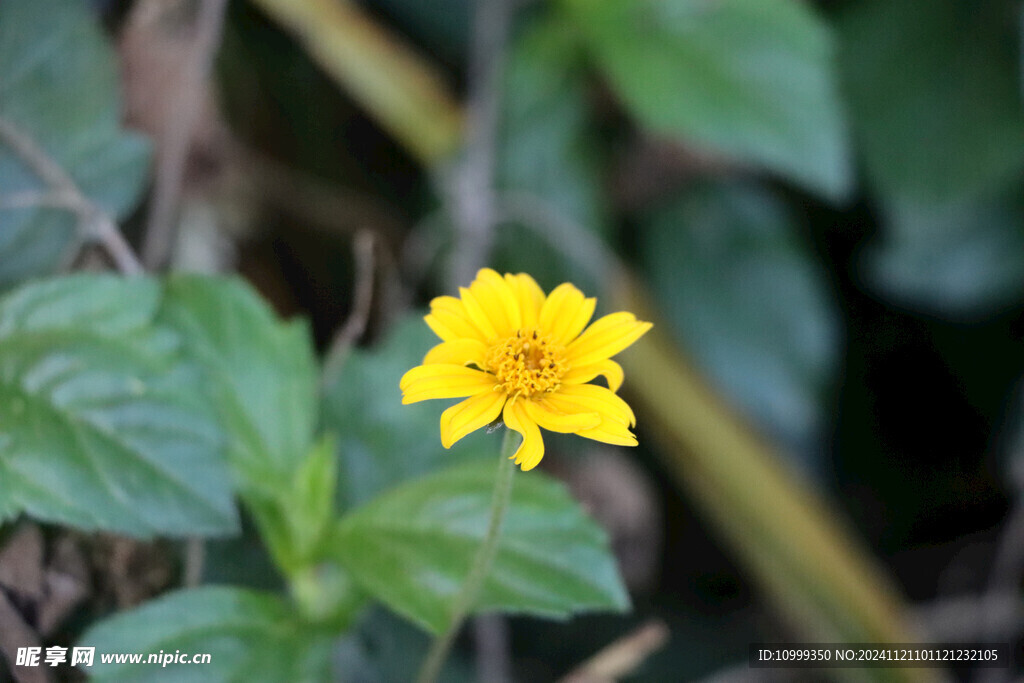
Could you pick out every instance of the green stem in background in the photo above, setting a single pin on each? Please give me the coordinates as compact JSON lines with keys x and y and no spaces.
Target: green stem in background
{"x":405,"y":93}
{"x":481,"y":566}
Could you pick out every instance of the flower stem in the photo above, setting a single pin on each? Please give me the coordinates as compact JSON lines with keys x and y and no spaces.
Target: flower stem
{"x":481,"y":566}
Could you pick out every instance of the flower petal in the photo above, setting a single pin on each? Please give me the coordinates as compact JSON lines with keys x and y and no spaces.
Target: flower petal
{"x":458,"y":352}
{"x":529,"y":296}
{"x":497,"y":300}
{"x":554,"y":420}
{"x":440,"y":329}
{"x":611,"y":371}
{"x":477,"y":312}
{"x":470,"y":415}
{"x":441,"y":380}
{"x":565,"y":313}
{"x":578,"y":398}
{"x":531,"y":450}
{"x":610,"y":432}
{"x":605,"y":338}
{"x":450,"y":321}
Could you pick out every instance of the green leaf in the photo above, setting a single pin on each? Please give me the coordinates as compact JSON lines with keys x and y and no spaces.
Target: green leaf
{"x":412,"y":548}
{"x":104,"y":425}
{"x":263,"y":371}
{"x":748,"y":302}
{"x":296,"y":519}
{"x":547,"y":152}
{"x":8,"y":509}
{"x":943,"y":144}
{"x":59,"y":86}
{"x":934,"y":88}
{"x":249,"y":635}
{"x":962,"y":260}
{"x":751,"y":79}
{"x":381,"y":442}
{"x":313,"y":493}
{"x":264,"y":376}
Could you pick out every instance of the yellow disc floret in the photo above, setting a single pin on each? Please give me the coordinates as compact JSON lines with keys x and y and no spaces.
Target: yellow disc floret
{"x":527,"y":364}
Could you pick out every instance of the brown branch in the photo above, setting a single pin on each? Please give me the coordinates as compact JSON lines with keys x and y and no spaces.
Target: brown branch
{"x":994,"y":617}
{"x":161,"y":226}
{"x":471,"y":185}
{"x":362,"y":301}
{"x":621,"y":657}
{"x":94,"y":223}
{"x":107,"y":233}
{"x":324,"y":205}
{"x":1007,"y":566}
{"x":195,"y":559}
{"x":52,"y":199}
{"x":1003,"y":585}
{"x":742,"y":673}
{"x":15,"y":634}
{"x":493,"y":654}
{"x":48,"y":170}
{"x":562,"y":233}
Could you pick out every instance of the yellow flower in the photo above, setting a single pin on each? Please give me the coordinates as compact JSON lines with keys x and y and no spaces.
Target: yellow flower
{"x":527,"y":358}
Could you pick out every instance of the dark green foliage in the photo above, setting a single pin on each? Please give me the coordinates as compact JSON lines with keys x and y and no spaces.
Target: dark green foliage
{"x":59,"y":87}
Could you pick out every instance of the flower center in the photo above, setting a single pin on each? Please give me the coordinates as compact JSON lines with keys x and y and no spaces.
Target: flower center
{"x":527,"y":364}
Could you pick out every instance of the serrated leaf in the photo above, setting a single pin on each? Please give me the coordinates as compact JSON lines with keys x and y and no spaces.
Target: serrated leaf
{"x":948,"y":123}
{"x":313,"y":490}
{"x":412,"y":547}
{"x":746,"y":299}
{"x":381,"y":442}
{"x":263,"y":371}
{"x":249,"y":635}
{"x":59,"y":86}
{"x":295,"y":521}
{"x":103,"y":424}
{"x":751,"y":79}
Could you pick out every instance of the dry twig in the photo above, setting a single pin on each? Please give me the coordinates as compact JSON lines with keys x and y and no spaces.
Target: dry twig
{"x":362,"y":301}
{"x":93,"y":222}
{"x":621,"y":657}
{"x":471,"y":186}
{"x":324,"y":205}
{"x":493,"y":658}
{"x":195,"y":560}
{"x":14,"y":634}
{"x":160,"y":227}
{"x":968,"y":618}
{"x":471,"y":192}
{"x":1003,"y":585}
{"x":561,"y":232}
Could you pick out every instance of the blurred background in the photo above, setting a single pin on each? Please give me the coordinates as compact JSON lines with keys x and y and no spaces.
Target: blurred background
{"x":818,"y":203}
